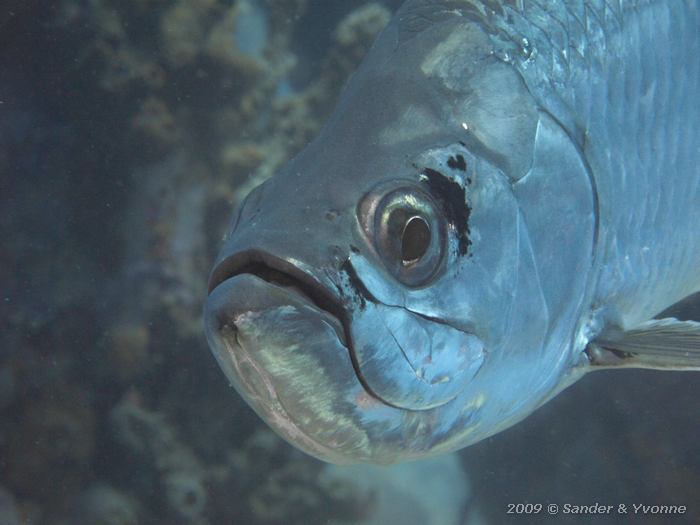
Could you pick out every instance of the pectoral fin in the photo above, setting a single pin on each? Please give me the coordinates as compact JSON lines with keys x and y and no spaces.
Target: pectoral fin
{"x":662,"y":344}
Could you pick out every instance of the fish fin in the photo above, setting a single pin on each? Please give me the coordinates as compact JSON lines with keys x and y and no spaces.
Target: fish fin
{"x":661,"y":344}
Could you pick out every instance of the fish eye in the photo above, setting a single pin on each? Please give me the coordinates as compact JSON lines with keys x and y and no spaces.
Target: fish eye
{"x":415,"y":240}
{"x":407,"y":230}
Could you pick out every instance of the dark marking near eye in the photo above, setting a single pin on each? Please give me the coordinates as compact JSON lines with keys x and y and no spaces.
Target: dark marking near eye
{"x":453,"y":199}
{"x":457,"y":163}
{"x":354,"y":249}
{"x":361,"y":290}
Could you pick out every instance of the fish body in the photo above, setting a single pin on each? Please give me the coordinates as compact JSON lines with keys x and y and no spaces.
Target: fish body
{"x":502,"y":199}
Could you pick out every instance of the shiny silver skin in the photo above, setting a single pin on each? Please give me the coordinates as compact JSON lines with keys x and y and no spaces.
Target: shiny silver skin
{"x":551,"y":150}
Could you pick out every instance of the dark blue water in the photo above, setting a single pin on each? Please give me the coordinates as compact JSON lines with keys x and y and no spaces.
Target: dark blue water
{"x":128,"y":130}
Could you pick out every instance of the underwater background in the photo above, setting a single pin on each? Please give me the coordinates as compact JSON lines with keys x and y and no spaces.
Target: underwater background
{"x":128,"y":131}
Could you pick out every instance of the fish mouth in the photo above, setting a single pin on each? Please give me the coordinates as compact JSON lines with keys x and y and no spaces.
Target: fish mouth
{"x":288,"y":276}
{"x":254,"y":287}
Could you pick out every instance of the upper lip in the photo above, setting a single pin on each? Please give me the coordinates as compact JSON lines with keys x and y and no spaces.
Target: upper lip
{"x":286,"y":274}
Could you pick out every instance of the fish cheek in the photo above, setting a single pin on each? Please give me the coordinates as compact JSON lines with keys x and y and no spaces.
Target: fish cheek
{"x":409,"y":361}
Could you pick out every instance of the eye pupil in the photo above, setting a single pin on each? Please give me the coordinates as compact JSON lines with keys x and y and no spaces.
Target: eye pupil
{"x":415,"y":240}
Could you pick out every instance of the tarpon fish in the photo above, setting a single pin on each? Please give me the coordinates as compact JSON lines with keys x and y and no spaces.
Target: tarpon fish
{"x":506,"y":196}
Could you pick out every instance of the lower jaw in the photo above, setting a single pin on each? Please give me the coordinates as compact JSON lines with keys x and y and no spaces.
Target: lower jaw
{"x":264,"y":337}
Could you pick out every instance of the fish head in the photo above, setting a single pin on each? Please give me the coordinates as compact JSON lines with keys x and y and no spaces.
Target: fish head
{"x":378,"y":300}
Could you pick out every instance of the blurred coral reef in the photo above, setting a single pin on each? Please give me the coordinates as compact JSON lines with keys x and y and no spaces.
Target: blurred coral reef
{"x":163,"y":115}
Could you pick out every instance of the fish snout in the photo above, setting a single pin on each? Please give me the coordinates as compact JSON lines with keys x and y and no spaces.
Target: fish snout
{"x":286,"y":356}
